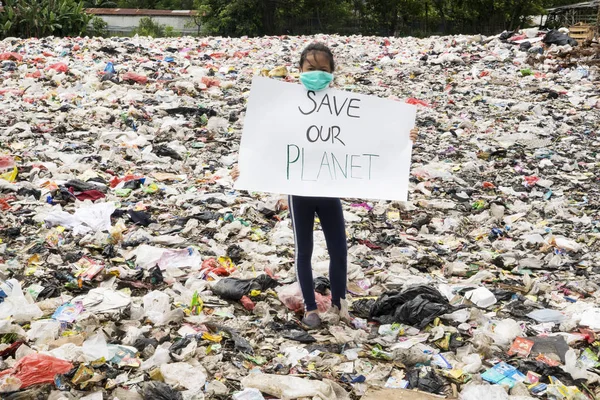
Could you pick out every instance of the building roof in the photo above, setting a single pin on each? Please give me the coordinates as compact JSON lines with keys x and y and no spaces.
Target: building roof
{"x":139,"y":12}
{"x":585,"y":4}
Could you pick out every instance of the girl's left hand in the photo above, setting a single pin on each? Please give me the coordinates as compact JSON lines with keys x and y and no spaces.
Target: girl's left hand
{"x":414,"y":133}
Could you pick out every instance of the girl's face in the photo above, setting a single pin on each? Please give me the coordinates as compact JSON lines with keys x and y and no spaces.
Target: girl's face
{"x":316,"y":61}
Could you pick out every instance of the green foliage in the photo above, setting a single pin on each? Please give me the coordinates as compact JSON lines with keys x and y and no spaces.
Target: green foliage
{"x":171,"y":32}
{"x":100,"y":4}
{"x":148,"y":27}
{"x":99,"y":27}
{"x":375,"y":17}
{"x":39,"y":18}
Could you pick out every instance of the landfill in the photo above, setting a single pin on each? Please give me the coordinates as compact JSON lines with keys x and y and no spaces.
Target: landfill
{"x":132,"y":269}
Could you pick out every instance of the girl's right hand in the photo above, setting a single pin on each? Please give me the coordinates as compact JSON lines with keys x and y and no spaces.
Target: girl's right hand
{"x":235,"y":173}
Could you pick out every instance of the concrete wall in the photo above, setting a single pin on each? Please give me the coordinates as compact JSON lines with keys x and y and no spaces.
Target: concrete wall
{"x":127,"y":23}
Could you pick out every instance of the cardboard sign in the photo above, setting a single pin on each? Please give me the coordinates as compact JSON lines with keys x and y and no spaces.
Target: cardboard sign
{"x":330,"y":143}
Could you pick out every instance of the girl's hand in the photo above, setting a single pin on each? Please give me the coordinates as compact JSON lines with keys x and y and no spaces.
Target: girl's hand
{"x":414,"y":133}
{"x":235,"y":173}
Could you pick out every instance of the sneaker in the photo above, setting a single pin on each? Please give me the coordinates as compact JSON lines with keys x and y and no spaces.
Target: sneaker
{"x":312,"y":320}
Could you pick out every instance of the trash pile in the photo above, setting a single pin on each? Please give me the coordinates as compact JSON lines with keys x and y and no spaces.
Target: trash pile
{"x":131,"y":269}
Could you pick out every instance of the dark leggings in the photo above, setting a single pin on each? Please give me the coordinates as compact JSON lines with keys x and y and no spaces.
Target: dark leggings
{"x":329,"y":211}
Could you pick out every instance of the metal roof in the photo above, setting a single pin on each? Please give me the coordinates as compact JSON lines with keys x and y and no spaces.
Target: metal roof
{"x":585,"y":4}
{"x":140,"y":12}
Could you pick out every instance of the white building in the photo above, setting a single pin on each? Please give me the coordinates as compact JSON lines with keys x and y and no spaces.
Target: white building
{"x":125,"y":20}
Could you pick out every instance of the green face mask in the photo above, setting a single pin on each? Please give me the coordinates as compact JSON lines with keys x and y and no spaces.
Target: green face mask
{"x":316,"y":80}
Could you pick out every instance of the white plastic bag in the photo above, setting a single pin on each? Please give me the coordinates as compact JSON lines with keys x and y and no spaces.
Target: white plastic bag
{"x":96,"y":348}
{"x":43,"y":331}
{"x":184,"y":375}
{"x":475,"y":391}
{"x":156,"y":305}
{"x":291,"y":387}
{"x":161,"y":356}
{"x":16,"y":304}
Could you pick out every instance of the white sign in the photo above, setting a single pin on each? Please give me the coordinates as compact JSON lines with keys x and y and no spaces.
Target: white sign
{"x":330,"y":143}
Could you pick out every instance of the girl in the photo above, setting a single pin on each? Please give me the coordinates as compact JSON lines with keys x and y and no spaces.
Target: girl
{"x":316,"y":73}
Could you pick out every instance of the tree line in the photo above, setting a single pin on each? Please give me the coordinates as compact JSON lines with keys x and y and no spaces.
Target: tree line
{"x":367,"y":17}
{"x":26,"y":18}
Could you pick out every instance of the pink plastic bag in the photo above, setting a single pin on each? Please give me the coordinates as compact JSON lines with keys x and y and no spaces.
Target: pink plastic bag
{"x":132,"y":76}
{"x":59,"y":67}
{"x":291,"y":297}
{"x":36,"y":368}
{"x":6,"y":162}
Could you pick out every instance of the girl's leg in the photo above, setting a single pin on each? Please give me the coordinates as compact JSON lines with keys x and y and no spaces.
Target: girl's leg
{"x":302,"y":212}
{"x":332,"y":221}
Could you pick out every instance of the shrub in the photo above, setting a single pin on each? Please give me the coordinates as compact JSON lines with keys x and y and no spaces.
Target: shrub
{"x":99,"y":27}
{"x":39,"y":18}
{"x":148,"y":27}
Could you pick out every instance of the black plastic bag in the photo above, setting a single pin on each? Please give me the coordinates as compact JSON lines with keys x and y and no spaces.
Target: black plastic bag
{"x":293,"y":331}
{"x":559,"y":39}
{"x":362,"y":307}
{"x":504,"y":36}
{"x":165,"y":151}
{"x":426,"y":380}
{"x":235,"y":289}
{"x":235,"y":252}
{"x":239,"y":342}
{"x":160,"y":391}
{"x":525,"y":46}
{"x":415,"y":305}
{"x":546,"y":371}
{"x":139,"y":217}
{"x":322,"y":285}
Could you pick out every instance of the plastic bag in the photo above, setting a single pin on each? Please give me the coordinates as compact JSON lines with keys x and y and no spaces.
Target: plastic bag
{"x":95,"y":348}
{"x":291,"y":297}
{"x":235,"y":289}
{"x":16,"y":305}
{"x":472,"y":363}
{"x":425,"y":379}
{"x":10,"y":384}
{"x":161,"y":356}
{"x":559,"y":39}
{"x":415,"y":305}
{"x":156,"y":305}
{"x":591,"y":318}
{"x":148,"y":257}
{"x":44,"y":331}
{"x":572,"y":367}
{"x":475,"y":391}
{"x":160,"y":391}
{"x":37,"y":368}
{"x":249,"y":394}
{"x":184,"y":375}
{"x":547,"y":315}
{"x":59,"y":67}
{"x":132,"y":76}
{"x":291,"y":387}
{"x":505,"y":332}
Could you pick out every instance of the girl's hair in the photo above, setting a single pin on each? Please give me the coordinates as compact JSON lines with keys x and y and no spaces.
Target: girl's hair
{"x":317,"y":47}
